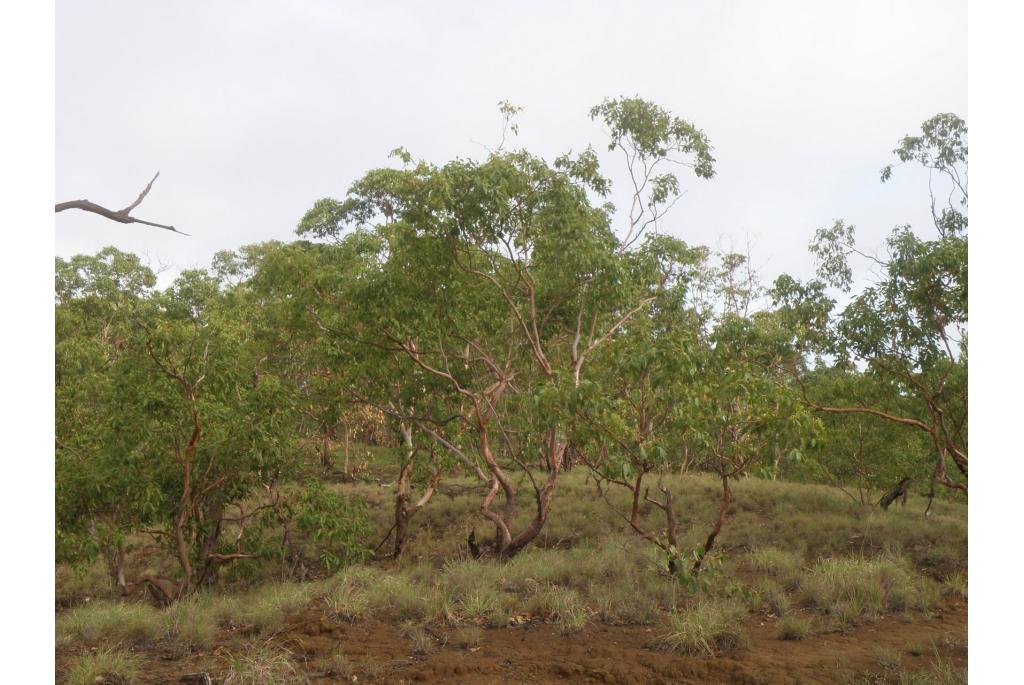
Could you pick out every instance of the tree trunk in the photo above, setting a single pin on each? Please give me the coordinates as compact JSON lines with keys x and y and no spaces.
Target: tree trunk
{"x":402,"y":508}
{"x":710,"y":543}
{"x":670,"y":529}
{"x":326,"y":460}
{"x":348,"y":436}
{"x":403,"y":491}
{"x":555,"y":455}
{"x":900,"y":491}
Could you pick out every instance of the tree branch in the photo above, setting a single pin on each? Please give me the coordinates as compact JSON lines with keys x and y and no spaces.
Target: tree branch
{"x":122,"y":216}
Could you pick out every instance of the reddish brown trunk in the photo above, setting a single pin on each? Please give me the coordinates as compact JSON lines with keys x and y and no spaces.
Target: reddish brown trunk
{"x":556,"y":453}
{"x":326,"y":460}
{"x":710,"y":543}
{"x":402,"y":508}
{"x":345,"y":465}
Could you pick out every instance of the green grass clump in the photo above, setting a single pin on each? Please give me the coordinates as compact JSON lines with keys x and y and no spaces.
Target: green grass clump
{"x":422,"y":641}
{"x":776,"y":562}
{"x":192,"y":623}
{"x":336,"y":665}
{"x":955,"y":585}
{"x":794,"y":628}
{"x":75,"y":583}
{"x":709,"y":627}
{"x":467,"y":637}
{"x":260,"y":665}
{"x":111,"y":665}
{"x":851,"y":589}
{"x":773,"y":597}
{"x":105,"y":621}
{"x":266,"y":609}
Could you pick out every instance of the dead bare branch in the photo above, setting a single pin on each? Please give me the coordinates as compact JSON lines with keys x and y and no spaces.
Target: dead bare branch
{"x":122,"y":216}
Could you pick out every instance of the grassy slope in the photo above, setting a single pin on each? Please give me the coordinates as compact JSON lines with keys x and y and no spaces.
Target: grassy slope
{"x":804,"y":555}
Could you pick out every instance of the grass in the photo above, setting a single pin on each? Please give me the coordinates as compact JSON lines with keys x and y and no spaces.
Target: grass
{"x":776,"y":562}
{"x":773,"y":597}
{"x":191,"y":623}
{"x":421,"y":640}
{"x":788,"y":550}
{"x":110,"y":665}
{"x":940,"y":671}
{"x":955,"y":585}
{"x":337,"y":666}
{"x":262,"y":664}
{"x":709,"y":627}
{"x":467,"y":637}
{"x":108,"y":621}
{"x":853,"y":589}
{"x":888,"y":658}
{"x":794,"y":628}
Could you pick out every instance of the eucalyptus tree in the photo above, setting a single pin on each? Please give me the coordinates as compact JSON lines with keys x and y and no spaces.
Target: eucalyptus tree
{"x":169,"y":415}
{"x":632,"y":411}
{"x":908,"y":327}
{"x":858,"y":453}
{"x":98,"y":498}
{"x":743,"y":409}
{"x":500,"y":278}
{"x":332,"y":299}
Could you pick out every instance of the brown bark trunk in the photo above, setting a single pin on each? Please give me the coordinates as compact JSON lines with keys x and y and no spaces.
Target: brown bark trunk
{"x":402,"y":508}
{"x":896,"y":493}
{"x":498,"y":481}
{"x":326,"y":460}
{"x":403,"y":492}
{"x":670,"y":529}
{"x":555,"y":455}
{"x":348,"y":436}
{"x":710,"y":543}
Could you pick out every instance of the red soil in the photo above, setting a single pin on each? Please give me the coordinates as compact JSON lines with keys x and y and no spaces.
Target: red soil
{"x":537,"y":653}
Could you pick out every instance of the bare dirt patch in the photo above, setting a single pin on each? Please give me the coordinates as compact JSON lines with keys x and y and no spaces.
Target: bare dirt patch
{"x":378,"y":651}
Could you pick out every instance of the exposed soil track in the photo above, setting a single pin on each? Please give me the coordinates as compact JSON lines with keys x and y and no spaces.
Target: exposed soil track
{"x":625,"y":655}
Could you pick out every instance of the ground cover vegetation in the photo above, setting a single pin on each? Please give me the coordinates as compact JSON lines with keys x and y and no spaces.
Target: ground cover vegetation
{"x":477,"y":397}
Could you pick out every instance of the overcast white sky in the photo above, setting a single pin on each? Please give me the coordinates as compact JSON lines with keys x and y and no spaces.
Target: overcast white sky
{"x":251,"y":111}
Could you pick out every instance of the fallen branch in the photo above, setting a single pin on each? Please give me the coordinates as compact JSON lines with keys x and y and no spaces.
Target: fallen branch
{"x":122,"y":216}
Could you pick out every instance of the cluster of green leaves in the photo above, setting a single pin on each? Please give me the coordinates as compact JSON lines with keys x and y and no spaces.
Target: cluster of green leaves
{"x":172,"y":407}
{"x":496,"y":309}
{"x":897,"y":352}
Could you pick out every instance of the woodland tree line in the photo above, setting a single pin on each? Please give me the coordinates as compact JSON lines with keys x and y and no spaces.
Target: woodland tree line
{"x":501,"y":320}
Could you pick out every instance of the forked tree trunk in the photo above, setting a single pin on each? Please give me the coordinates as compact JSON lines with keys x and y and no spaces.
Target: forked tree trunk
{"x":709,"y":544}
{"x":555,"y":455}
{"x":506,"y":544}
{"x":403,"y":492}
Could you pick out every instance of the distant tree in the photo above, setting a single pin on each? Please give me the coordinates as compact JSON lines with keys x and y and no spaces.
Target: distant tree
{"x":171,"y":415}
{"x":909,"y":326}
